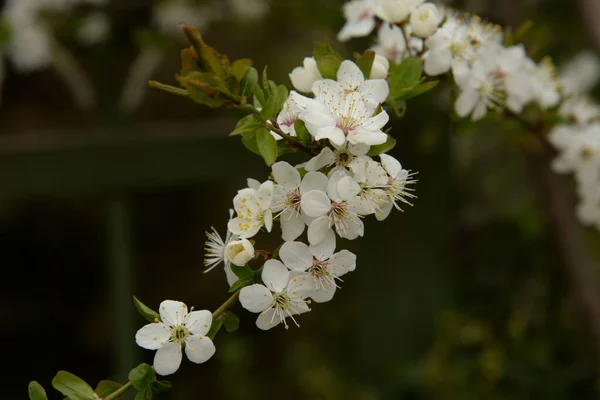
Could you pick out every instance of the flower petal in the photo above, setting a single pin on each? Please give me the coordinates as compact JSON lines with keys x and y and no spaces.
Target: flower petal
{"x":324,"y":250}
{"x":172,"y":312}
{"x":292,"y":225}
{"x":153,"y":336}
{"x":286,"y":175}
{"x":391,"y":165}
{"x":199,"y":348}
{"x":198,"y":322}
{"x":268,"y":218}
{"x":256,"y":298}
{"x":466,"y":102}
{"x":324,"y":158}
{"x":267,"y":320}
{"x":348,"y":188}
{"x":342,"y":262}
{"x":315,"y":203}
{"x":296,"y":256}
{"x":314,"y":181}
{"x":275,"y":275}
{"x":167,"y":359}
{"x":318,"y":230}
{"x":349,"y":76}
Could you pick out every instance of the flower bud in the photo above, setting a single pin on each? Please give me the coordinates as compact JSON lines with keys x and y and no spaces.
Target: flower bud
{"x":303,"y":77}
{"x":425,"y":20}
{"x":239,"y":252}
{"x":380,"y":68}
{"x":396,"y":11}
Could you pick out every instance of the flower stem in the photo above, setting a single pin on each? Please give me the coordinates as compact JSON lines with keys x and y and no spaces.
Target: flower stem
{"x":227,"y":305}
{"x":406,"y":39}
{"x":290,"y":139}
{"x":117,"y":393}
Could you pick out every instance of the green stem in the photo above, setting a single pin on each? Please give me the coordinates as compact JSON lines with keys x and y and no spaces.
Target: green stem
{"x":406,"y":39}
{"x":117,"y":393}
{"x":227,"y":305}
{"x":290,"y":139}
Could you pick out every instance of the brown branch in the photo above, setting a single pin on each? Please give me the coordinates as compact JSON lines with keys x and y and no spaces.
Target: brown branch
{"x":290,"y":139}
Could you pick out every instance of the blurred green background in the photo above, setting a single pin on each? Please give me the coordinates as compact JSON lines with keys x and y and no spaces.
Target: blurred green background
{"x":463,"y":296}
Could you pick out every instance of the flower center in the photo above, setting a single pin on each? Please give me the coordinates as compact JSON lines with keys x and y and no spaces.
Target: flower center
{"x":321,"y":275}
{"x":292,"y":200}
{"x":179,"y":333}
{"x":344,"y":158}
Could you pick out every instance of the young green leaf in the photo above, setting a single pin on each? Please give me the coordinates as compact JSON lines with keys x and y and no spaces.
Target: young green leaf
{"x":249,"y":142}
{"x":325,"y":50}
{"x":419,"y":90}
{"x":231,"y":322}
{"x":238,"y":68}
{"x":404,"y":76}
{"x":145,"y":394}
{"x":248,"y":81}
{"x":189,"y":60}
{"x":105,"y":388}
{"x":214,"y":62}
{"x":145,"y":311}
{"x":365,"y":63}
{"x":303,"y":135}
{"x":242,"y":272}
{"x":240,"y":283}
{"x":142,"y":377}
{"x":328,"y":66}
{"x":249,"y":124}
{"x":389,"y":144}
{"x":72,"y":386}
{"x":36,"y":391}
{"x":267,"y":146}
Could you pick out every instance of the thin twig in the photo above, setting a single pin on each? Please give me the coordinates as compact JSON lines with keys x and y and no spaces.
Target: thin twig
{"x":290,"y":139}
{"x":120,"y":391}
{"x":226,"y":306}
{"x":406,"y":39}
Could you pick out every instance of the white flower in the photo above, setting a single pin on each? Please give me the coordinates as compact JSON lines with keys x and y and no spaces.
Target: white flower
{"x":343,"y":110}
{"x":479,"y":90}
{"x":340,"y":208}
{"x":580,"y":74}
{"x":396,"y":11}
{"x":380,"y":67}
{"x":253,"y":207}
{"x":303,"y":77}
{"x":581,"y":109}
{"x":317,"y":266}
{"x":545,"y":83}
{"x":340,"y":156}
{"x":281,"y":298}
{"x":373,"y":181}
{"x":424,"y":20}
{"x":397,"y":189}
{"x":178,"y":329}
{"x":215,"y":248}
{"x":250,"y":9}
{"x":287,"y":194}
{"x":239,"y":252}
{"x":392,"y":45}
{"x":93,"y":29}
{"x":447,"y":47}
{"x":360,"y":19}
{"x":290,"y":113}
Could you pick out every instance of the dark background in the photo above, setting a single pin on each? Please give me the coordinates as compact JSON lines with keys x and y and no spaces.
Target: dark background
{"x":464,"y":296}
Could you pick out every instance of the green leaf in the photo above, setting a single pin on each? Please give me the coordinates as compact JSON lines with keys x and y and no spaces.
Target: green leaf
{"x":145,"y":311}
{"x":259,"y":96}
{"x":204,"y":89}
{"x":240,"y":283}
{"x":365,"y":63}
{"x":216,"y":63}
{"x":72,"y":386}
{"x":265,"y":82}
{"x":267,"y":146}
{"x":242,"y":272}
{"x":249,"y":142}
{"x":398,"y":107}
{"x":303,"y":135}
{"x":161,"y":386}
{"x":274,"y":103}
{"x":238,"y":68}
{"x":145,"y":394}
{"x":168,"y":88}
{"x":404,"y":76}
{"x":324,"y":50}
{"x":189,"y":60}
{"x":142,"y":377}
{"x":231,"y":322}
{"x":105,"y":388}
{"x":419,"y":89}
{"x":328,"y":66}
{"x":249,"y":124}
{"x":248,"y":81}
{"x":382,"y":148}
{"x":36,"y":391}
{"x":215,"y":327}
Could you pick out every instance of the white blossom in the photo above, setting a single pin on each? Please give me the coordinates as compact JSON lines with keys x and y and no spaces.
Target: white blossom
{"x":380,"y":67}
{"x":304,"y":77}
{"x":239,"y":252}
{"x":479,"y":90}
{"x":178,"y":329}
{"x":282,"y":296}
{"x":447,"y":47}
{"x":317,"y":266}
{"x":581,"y":73}
{"x":287,"y":195}
{"x":396,"y":11}
{"x":360,"y":19}
{"x":392,"y":45}
{"x":216,"y":252}
{"x":293,"y":107}
{"x":424,"y":20}
{"x":397,"y":188}
{"x":253,"y":208}
{"x":340,"y":156}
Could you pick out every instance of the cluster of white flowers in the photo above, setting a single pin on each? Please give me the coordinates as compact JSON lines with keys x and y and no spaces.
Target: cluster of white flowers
{"x":315,"y":202}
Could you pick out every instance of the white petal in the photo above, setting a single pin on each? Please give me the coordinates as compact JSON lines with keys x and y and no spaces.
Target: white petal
{"x":286,"y":175}
{"x":315,"y":203}
{"x":153,"y":336}
{"x":275,"y":275}
{"x":480,"y":110}
{"x":366,"y":136}
{"x":268,"y":220}
{"x":172,"y":312}
{"x":466,"y":102}
{"x":292,"y":225}
{"x":391,"y":165}
{"x":325,"y":249}
{"x":376,"y":89}
{"x":323,"y":295}
{"x":231,"y":277}
{"x":314,"y":181}
{"x":384,"y":210}
{"x":199,"y":348}
{"x":348,"y":188}
{"x":256,"y":298}
{"x":354,"y":228}
{"x":267,"y":320}
{"x":167,"y":359}
{"x":253,"y":183}
{"x":264,"y":195}
{"x":326,"y":157}
{"x":333,"y":133}
{"x":342,"y":262}
{"x":296,"y":256}
{"x":198,"y":322}
{"x":438,"y":62}
{"x":318,"y":230}
{"x":349,"y":75}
